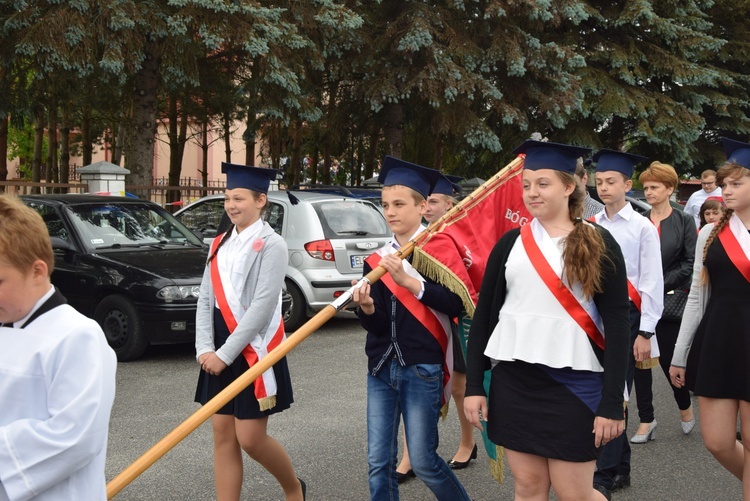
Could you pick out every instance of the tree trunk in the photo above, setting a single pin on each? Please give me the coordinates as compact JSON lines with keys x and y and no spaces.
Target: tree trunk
{"x":175,"y":160}
{"x":204,"y":147}
{"x":139,"y":144}
{"x":52,"y":173}
{"x":227,"y":138}
{"x":87,"y":143}
{"x":394,"y":129}
{"x":438,"y":163}
{"x":293,"y":176}
{"x":250,"y":133}
{"x":325,"y":176}
{"x":372,"y":149}
{"x":4,"y":150}
{"x":314,"y":167}
{"x":118,"y":145}
{"x":36,"y":163}
{"x":65,"y":145}
{"x":357,"y":174}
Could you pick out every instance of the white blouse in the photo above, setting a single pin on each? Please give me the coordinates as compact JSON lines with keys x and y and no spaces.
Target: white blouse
{"x":533,"y":326}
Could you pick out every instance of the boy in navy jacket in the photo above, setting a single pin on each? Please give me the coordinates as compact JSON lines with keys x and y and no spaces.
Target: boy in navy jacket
{"x":407,"y":319}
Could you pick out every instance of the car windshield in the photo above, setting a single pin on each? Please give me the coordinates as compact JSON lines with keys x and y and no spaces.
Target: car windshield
{"x":347,"y":218}
{"x":115,"y":225}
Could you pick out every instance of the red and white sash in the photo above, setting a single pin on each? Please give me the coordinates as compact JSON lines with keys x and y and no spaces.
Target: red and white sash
{"x":552,"y":279}
{"x":735,"y":239}
{"x":438,"y":324}
{"x":266,"y":340}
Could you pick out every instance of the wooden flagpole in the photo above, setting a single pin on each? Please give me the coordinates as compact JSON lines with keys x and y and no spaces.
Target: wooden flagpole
{"x":220,"y":400}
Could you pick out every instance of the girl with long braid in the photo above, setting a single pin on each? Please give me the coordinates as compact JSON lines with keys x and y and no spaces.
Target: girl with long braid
{"x":712,"y":352}
{"x":552,"y":323}
{"x":238,"y":322}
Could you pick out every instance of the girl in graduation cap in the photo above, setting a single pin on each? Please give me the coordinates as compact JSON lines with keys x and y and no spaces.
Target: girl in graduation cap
{"x":237,"y":323}
{"x":712,"y":353}
{"x":552,"y":323}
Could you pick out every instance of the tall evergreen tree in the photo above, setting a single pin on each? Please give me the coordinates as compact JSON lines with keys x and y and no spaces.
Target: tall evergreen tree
{"x":649,"y":75}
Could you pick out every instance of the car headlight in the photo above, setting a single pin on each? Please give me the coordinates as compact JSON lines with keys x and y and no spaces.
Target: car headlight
{"x":175,"y":292}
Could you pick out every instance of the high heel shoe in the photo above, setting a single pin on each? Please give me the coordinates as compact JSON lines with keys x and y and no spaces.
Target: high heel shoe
{"x":687,"y":426}
{"x":403,"y":477}
{"x":303,"y":485}
{"x":460,"y":465}
{"x":642,"y":438}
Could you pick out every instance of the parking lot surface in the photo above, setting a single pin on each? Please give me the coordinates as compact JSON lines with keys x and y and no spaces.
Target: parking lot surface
{"x":325,"y":434}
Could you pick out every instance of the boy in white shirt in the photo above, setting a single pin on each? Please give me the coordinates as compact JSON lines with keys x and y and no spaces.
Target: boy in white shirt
{"x":639,"y":242}
{"x":57,"y":374}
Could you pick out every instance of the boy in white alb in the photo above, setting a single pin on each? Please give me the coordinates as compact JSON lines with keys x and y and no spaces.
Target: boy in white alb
{"x":639,"y":242}
{"x":57,"y":374}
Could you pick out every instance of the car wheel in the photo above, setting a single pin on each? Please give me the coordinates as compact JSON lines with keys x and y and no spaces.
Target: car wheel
{"x":122,"y":327}
{"x":296,"y":315}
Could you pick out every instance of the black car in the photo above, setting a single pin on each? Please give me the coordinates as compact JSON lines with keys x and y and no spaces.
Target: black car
{"x":128,"y":264}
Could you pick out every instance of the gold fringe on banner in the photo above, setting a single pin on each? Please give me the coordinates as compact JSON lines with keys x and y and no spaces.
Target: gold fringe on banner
{"x":437,"y":271}
{"x":496,"y":465}
{"x":267,"y":403}
{"x":649,"y":363}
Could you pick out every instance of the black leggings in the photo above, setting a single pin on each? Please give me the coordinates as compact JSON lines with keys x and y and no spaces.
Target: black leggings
{"x":666,"y":336}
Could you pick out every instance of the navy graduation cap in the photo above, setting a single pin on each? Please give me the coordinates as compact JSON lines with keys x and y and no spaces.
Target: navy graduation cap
{"x":555,"y":156}
{"x":737,"y":152}
{"x":618,"y":161}
{"x":400,"y":172}
{"x":447,"y":185}
{"x":244,"y":176}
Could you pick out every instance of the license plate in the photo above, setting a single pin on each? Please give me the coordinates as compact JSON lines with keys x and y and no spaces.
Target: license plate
{"x":357,"y":261}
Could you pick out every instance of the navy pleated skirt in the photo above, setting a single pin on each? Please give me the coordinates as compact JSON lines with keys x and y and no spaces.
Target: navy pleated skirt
{"x":244,"y":405}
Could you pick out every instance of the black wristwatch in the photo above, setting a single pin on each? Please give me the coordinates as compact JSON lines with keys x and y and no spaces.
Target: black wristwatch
{"x":645,"y":335}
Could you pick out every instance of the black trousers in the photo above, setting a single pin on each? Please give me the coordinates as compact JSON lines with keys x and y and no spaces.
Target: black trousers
{"x":666,"y":337}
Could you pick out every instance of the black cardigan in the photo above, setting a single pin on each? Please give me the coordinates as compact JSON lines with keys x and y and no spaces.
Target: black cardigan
{"x":613,"y":305}
{"x":677,"y":236}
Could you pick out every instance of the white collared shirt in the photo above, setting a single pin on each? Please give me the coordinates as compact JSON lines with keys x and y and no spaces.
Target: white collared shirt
{"x":233,"y":258}
{"x":639,"y":242}
{"x":394,"y":246}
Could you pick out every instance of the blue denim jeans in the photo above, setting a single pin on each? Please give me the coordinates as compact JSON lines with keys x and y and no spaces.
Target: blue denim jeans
{"x":416,"y":392}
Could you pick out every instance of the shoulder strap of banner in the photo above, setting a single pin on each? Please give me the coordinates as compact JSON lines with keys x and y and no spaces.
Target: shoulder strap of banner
{"x":421,"y":312}
{"x":558,"y":289}
{"x":735,"y":251}
{"x":221,"y":298}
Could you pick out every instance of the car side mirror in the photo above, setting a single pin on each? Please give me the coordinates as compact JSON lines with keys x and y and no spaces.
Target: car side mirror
{"x":60,"y":244}
{"x":200,"y":234}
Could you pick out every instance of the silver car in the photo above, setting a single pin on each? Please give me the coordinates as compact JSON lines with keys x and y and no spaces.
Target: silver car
{"x":328,"y":237}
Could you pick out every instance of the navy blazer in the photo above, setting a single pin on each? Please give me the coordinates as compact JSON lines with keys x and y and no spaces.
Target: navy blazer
{"x":393,"y":330}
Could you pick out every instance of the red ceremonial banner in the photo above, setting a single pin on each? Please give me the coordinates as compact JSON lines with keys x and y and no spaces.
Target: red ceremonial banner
{"x":456,"y":255}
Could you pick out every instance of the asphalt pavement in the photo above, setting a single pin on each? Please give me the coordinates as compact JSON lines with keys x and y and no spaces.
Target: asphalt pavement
{"x":324,"y":432}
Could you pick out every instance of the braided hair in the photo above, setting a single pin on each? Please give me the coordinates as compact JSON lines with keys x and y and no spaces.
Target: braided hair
{"x":224,"y":238}
{"x":729,"y":169}
{"x":714,"y":231}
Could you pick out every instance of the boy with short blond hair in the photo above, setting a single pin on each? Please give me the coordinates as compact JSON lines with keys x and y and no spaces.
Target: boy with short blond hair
{"x":408,"y":344}
{"x":57,"y":374}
